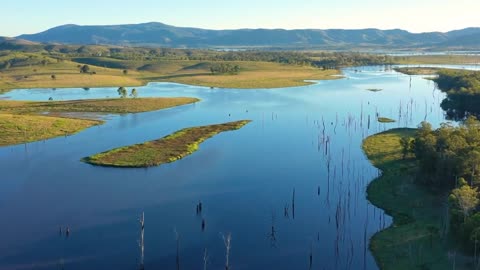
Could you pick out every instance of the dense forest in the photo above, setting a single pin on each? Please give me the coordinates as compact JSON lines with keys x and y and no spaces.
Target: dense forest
{"x":449,"y":159}
{"x":463,"y":93}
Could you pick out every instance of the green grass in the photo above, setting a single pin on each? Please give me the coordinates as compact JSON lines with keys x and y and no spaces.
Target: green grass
{"x":385,"y":120}
{"x":165,"y":150}
{"x":17,"y":129}
{"x":20,"y":122}
{"x":414,"y":240}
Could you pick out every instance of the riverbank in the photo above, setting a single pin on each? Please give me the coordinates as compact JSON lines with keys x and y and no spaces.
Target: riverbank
{"x":21,"y":122}
{"x":251,"y":74}
{"x":418,"y":70}
{"x":165,"y":150}
{"x":416,"y":239}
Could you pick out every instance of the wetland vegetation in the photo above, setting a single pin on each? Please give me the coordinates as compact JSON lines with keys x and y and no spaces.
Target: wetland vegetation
{"x":23,"y":122}
{"x":420,"y":168}
{"x":165,"y":150}
{"x":417,"y":239}
{"x":385,"y":120}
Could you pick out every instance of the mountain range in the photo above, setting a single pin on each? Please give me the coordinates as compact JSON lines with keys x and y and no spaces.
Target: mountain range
{"x":159,"y":34}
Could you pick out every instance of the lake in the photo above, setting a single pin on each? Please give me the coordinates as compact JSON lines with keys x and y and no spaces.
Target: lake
{"x":303,"y":140}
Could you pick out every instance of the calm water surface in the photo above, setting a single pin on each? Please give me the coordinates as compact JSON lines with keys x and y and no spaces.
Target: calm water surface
{"x":305,"y":139}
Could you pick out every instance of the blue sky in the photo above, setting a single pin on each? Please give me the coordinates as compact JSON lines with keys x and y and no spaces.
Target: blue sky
{"x":31,"y":16}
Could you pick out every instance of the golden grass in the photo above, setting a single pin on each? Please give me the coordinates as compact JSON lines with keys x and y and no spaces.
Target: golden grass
{"x":67,"y":75}
{"x":418,"y":70}
{"x":20,"y":122}
{"x":167,"y":149}
{"x":252,"y":75}
{"x":116,"y":105}
{"x":438,"y":59}
{"x":16,"y":129}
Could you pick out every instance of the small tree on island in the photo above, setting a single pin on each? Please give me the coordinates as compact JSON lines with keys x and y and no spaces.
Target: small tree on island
{"x":122,"y":91}
{"x":134,"y":93}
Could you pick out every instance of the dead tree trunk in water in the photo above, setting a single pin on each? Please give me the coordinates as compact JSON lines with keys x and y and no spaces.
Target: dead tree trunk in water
{"x":293,"y":204}
{"x":205,"y":259}
{"x":177,"y":239}
{"x":142,"y":242}
{"x":227,"y":241}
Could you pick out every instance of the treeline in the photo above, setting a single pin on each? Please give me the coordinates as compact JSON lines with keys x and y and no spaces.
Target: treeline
{"x":325,"y":60}
{"x":224,"y":69}
{"x":448,"y":153}
{"x":449,"y":159}
{"x":463,"y":93}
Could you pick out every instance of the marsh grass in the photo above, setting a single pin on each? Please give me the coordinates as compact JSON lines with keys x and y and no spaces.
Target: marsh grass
{"x":17,"y":129}
{"x":165,"y":150}
{"x":415,"y":240}
{"x":20,"y":122}
{"x":385,"y":120}
{"x":114,"y":105}
{"x":418,"y":70}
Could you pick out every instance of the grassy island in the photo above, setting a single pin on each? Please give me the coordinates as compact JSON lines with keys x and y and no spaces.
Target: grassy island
{"x":20,"y":121}
{"x":385,"y":120}
{"x":413,"y":241}
{"x":167,"y":149}
{"x":374,"y":89}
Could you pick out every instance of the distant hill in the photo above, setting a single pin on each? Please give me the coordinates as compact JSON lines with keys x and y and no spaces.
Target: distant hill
{"x":158,"y":34}
{"x":8,"y":43}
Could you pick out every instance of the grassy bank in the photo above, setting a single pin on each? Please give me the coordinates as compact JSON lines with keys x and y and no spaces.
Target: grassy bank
{"x":252,"y":75}
{"x":16,"y":129}
{"x":414,"y":240}
{"x":437,"y":59}
{"x":107,"y":72}
{"x":418,"y":70}
{"x":20,"y":122}
{"x":114,"y":105}
{"x":167,"y":149}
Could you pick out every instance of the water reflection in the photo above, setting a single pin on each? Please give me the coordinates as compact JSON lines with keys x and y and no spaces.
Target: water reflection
{"x":300,"y":159}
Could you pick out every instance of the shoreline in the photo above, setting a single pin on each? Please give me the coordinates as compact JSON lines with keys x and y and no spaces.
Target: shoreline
{"x":416,"y":237}
{"x":27,"y":121}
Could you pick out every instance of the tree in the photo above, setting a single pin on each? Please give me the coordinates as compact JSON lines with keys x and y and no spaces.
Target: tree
{"x":54,"y":77}
{"x":134,"y":93}
{"x":84,"y":69}
{"x":125,"y":72}
{"x":406,"y":146}
{"x":122,"y":91}
{"x":466,"y":198}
